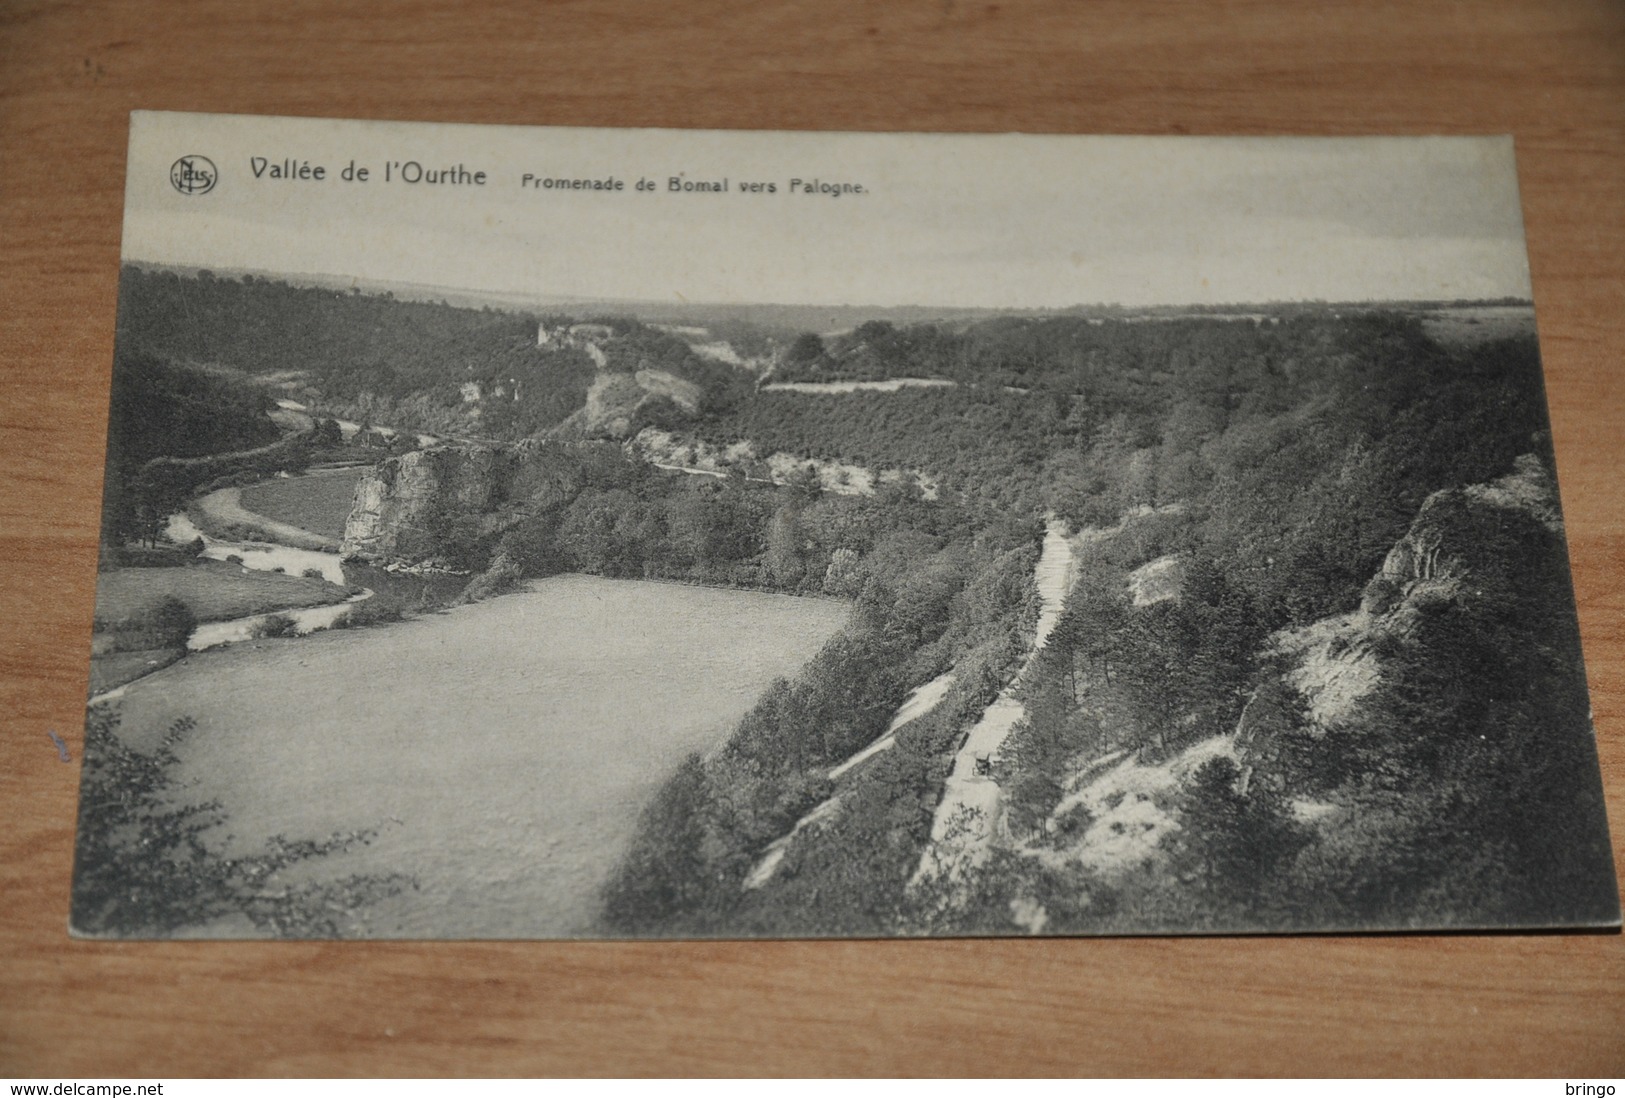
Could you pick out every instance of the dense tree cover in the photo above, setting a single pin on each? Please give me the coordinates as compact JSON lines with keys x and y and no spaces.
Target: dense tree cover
{"x":1462,"y":790}
{"x":1286,"y":460}
{"x":1299,"y":449}
{"x":695,"y":845}
{"x":163,"y":410}
{"x":371,"y":356}
{"x":1108,"y":416}
{"x":346,"y":343}
{"x":1277,"y":517}
{"x":1276,"y":464}
{"x":981,"y":446}
{"x":873,"y":351}
{"x":1473,"y":772}
{"x":640,"y":347}
{"x":1268,"y":463}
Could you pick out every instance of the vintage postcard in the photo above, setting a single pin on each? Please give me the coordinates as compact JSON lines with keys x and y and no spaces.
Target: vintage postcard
{"x":540,"y":533}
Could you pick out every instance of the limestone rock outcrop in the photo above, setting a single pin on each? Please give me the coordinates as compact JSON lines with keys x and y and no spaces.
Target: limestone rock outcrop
{"x":399,"y":505}
{"x":1470,"y":553}
{"x":432,"y":506}
{"x":620,"y":404}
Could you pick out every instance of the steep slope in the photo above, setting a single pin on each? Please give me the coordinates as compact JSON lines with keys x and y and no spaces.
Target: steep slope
{"x":1424,"y":758}
{"x":435,"y":505}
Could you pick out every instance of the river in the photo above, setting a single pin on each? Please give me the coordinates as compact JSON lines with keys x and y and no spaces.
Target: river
{"x":264,"y":557}
{"x":503,"y":750}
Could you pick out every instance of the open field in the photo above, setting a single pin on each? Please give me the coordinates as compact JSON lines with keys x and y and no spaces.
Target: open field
{"x":221,"y":514}
{"x":318,"y":502}
{"x":212,"y":590}
{"x":1468,"y":326}
{"x":504,"y":750}
{"x":117,"y":668}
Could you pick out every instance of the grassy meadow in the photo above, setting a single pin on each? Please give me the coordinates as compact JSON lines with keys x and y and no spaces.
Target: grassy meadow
{"x":318,"y":502}
{"x":212,"y":590}
{"x":145,"y":615}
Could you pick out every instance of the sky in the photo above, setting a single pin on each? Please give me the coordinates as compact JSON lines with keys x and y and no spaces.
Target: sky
{"x":993,"y":221}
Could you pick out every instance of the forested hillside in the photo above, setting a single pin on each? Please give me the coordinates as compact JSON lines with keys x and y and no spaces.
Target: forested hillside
{"x":1232,"y":482}
{"x":1316,"y":662}
{"x":405,"y":363}
{"x":1420,"y":756}
{"x":160,"y":409}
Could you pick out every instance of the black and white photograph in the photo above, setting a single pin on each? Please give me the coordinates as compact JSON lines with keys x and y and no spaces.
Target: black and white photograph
{"x":542,"y":533}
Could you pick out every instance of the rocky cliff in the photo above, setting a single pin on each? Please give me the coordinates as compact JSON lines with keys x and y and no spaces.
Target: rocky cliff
{"x":1474,"y":559}
{"x":1434,"y":746}
{"x":1378,"y":697}
{"x":620,"y":404}
{"x":431,"y":506}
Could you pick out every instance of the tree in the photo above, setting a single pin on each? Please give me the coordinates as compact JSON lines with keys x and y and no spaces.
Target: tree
{"x":805,"y":483}
{"x":1236,"y":842}
{"x":665,"y":873}
{"x":147,"y":862}
{"x":805,"y":353}
{"x":327,"y":434}
{"x":807,"y":347}
{"x":785,"y":542}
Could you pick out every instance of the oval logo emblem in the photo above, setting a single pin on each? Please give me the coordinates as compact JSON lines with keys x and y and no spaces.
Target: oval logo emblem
{"x":193,"y":175}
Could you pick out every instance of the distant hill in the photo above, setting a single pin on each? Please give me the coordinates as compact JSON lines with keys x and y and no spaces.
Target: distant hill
{"x":780,"y":320}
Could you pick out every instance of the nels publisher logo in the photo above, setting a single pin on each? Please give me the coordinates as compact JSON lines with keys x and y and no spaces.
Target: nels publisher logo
{"x":193,"y":175}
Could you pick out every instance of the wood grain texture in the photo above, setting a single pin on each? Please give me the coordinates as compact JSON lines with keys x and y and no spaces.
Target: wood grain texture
{"x":1551,"y":73}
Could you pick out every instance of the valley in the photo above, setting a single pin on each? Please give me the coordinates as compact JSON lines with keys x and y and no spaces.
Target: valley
{"x":699,"y":625}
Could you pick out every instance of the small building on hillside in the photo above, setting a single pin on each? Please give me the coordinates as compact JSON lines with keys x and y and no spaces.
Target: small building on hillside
{"x":572,"y":335}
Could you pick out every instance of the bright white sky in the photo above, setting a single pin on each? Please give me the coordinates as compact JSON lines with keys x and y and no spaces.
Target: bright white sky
{"x":981,"y":220}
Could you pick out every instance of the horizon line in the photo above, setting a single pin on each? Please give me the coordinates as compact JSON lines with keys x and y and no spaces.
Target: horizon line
{"x":681,"y":302}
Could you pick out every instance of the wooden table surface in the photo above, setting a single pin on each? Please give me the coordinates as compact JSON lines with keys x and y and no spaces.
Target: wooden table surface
{"x":1551,"y":72}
